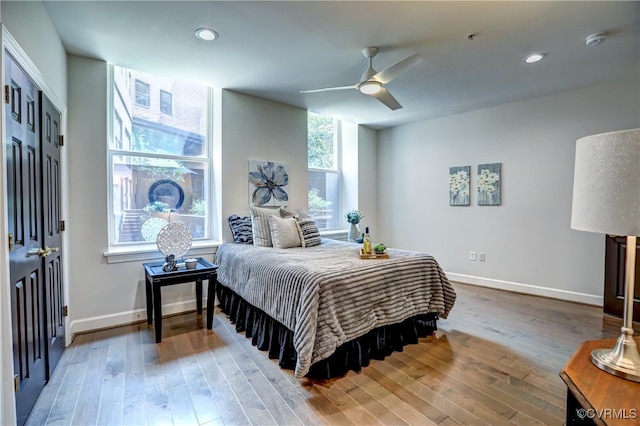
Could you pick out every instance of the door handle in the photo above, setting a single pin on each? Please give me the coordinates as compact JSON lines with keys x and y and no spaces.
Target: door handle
{"x":44,"y":252}
{"x":40,"y":252}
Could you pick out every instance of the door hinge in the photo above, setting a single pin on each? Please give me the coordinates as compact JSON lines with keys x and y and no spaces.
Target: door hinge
{"x":63,"y":226}
{"x":6,"y":94}
{"x":65,"y":311}
{"x":60,"y":140}
{"x":10,"y":242}
{"x":16,"y":383}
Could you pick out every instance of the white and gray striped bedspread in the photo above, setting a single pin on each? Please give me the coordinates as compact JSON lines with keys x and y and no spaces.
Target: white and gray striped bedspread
{"x":326,"y":295}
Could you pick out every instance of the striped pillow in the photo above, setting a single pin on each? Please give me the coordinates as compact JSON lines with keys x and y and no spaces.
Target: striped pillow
{"x":260,"y":225}
{"x":309,"y":233}
{"x":241,"y":229}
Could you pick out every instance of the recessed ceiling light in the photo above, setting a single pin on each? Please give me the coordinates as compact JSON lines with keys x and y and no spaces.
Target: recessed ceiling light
{"x":206,"y":34}
{"x":531,"y":59}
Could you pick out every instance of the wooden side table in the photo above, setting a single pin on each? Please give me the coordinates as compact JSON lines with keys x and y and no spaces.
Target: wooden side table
{"x":156,"y":278}
{"x":595,"y":396}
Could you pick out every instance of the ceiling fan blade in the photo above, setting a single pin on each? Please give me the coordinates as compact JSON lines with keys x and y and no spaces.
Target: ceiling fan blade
{"x":327,"y":89}
{"x":392,"y":71}
{"x":386,"y":98}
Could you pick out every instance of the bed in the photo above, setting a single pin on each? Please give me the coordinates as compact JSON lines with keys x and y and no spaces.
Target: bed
{"x":322,"y":310}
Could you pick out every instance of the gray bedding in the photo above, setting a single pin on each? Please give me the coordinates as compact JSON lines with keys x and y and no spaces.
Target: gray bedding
{"x":326,"y":295}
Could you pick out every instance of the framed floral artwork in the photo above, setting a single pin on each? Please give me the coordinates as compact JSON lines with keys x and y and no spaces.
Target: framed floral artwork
{"x":489,"y":183}
{"x":459,"y":185}
{"x":268,"y":183}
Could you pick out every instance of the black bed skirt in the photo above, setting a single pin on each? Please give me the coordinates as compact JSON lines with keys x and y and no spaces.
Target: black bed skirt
{"x":269,"y":335}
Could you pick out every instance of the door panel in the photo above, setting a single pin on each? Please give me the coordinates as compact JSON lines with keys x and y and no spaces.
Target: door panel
{"x":50,"y":137}
{"x":25,"y":218}
{"x":615,"y":275}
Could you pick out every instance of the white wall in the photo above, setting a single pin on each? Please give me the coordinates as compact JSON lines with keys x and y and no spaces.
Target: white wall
{"x":30,"y":25}
{"x":257,"y":129}
{"x":368,"y":195}
{"x":528,"y":241}
{"x":358,"y":165}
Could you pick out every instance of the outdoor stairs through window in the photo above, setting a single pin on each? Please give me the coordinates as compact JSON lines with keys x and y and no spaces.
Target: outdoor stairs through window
{"x":130,"y":226}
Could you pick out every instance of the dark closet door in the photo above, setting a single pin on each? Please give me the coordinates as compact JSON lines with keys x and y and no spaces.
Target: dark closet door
{"x":614,"y":277}
{"x":52,"y":232}
{"x":26,"y":236}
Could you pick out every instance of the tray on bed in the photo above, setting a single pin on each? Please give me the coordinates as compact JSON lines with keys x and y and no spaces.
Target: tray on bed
{"x":374,"y":255}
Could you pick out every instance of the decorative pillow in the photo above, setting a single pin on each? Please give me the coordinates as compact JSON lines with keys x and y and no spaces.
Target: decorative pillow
{"x":284,"y":232}
{"x":241,"y":229}
{"x":309,"y":233}
{"x":286,"y":213}
{"x":260,"y":225}
{"x":297,"y":213}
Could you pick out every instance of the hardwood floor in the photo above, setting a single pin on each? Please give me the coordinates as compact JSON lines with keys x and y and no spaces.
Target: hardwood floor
{"x":495,"y":361}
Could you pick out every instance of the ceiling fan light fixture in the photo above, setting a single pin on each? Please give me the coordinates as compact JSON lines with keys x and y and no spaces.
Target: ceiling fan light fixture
{"x":370,"y":87}
{"x":206,"y":34}
{"x":535,"y":57}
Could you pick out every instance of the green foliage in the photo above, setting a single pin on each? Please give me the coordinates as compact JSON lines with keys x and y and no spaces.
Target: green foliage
{"x":156,"y":206}
{"x":198,"y":208}
{"x":320,"y":141}
{"x":379,"y":248}
{"x":163,"y":168}
{"x":316,"y":202}
{"x":354,"y":216}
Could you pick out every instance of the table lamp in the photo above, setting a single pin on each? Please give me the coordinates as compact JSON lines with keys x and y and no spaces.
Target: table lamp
{"x":606,"y":199}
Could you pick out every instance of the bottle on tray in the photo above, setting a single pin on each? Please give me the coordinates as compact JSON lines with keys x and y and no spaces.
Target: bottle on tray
{"x":366,"y":242}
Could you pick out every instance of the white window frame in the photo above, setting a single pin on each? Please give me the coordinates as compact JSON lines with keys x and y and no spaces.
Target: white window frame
{"x":117,"y":253}
{"x":135,"y":93}
{"x":337,"y":170}
{"x":162,"y":103}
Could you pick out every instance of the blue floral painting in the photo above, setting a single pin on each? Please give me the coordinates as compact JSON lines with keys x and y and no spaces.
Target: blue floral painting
{"x":459,"y":185}
{"x":489,"y":182}
{"x":268,"y":183}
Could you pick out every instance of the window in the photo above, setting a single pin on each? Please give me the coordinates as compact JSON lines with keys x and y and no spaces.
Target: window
{"x":159,"y":169}
{"x":117,"y":130}
{"x":142,"y":94}
{"x":165,"y":102}
{"x":324,"y":174}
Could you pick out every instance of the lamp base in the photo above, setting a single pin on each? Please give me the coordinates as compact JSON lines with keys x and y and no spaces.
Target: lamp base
{"x":622,"y":361}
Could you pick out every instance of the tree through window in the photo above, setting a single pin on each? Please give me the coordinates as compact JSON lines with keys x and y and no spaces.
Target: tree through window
{"x":324,"y":175}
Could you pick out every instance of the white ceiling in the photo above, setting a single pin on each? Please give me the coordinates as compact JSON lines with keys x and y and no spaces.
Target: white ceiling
{"x":275,"y":49}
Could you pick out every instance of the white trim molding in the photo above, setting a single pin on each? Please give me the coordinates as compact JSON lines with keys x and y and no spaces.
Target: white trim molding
{"x":554,"y":293}
{"x":130,"y":317}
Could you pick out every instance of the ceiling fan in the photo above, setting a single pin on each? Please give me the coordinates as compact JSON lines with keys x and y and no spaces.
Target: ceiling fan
{"x":372,"y":82}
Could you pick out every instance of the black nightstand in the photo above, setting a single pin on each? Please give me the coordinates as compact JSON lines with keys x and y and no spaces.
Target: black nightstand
{"x":157,"y":278}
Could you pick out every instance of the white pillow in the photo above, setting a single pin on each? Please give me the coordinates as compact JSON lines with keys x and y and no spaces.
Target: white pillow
{"x":284,"y":232}
{"x":260,"y":225}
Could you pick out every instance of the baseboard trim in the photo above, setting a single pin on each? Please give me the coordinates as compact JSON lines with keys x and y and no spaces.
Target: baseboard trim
{"x":129,"y":317}
{"x":571,"y":296}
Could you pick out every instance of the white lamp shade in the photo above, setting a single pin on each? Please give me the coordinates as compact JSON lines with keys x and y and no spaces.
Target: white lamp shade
{"x":606,"y":183}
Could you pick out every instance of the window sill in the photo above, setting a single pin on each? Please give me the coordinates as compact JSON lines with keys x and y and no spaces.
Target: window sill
{"x":148,"y":252}
{"x":334,"y":234}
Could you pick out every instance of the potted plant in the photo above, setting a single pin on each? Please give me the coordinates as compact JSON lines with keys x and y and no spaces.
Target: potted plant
{"x":379,"y":248}
{"x":353,"y":217}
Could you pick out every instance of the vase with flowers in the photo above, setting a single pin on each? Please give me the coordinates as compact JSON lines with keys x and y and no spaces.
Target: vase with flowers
{"x":353,"y":217}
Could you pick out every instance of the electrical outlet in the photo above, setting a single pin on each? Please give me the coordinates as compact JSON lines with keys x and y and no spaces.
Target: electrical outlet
{"x":481,"y":257}
{"x":472,"y":255}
